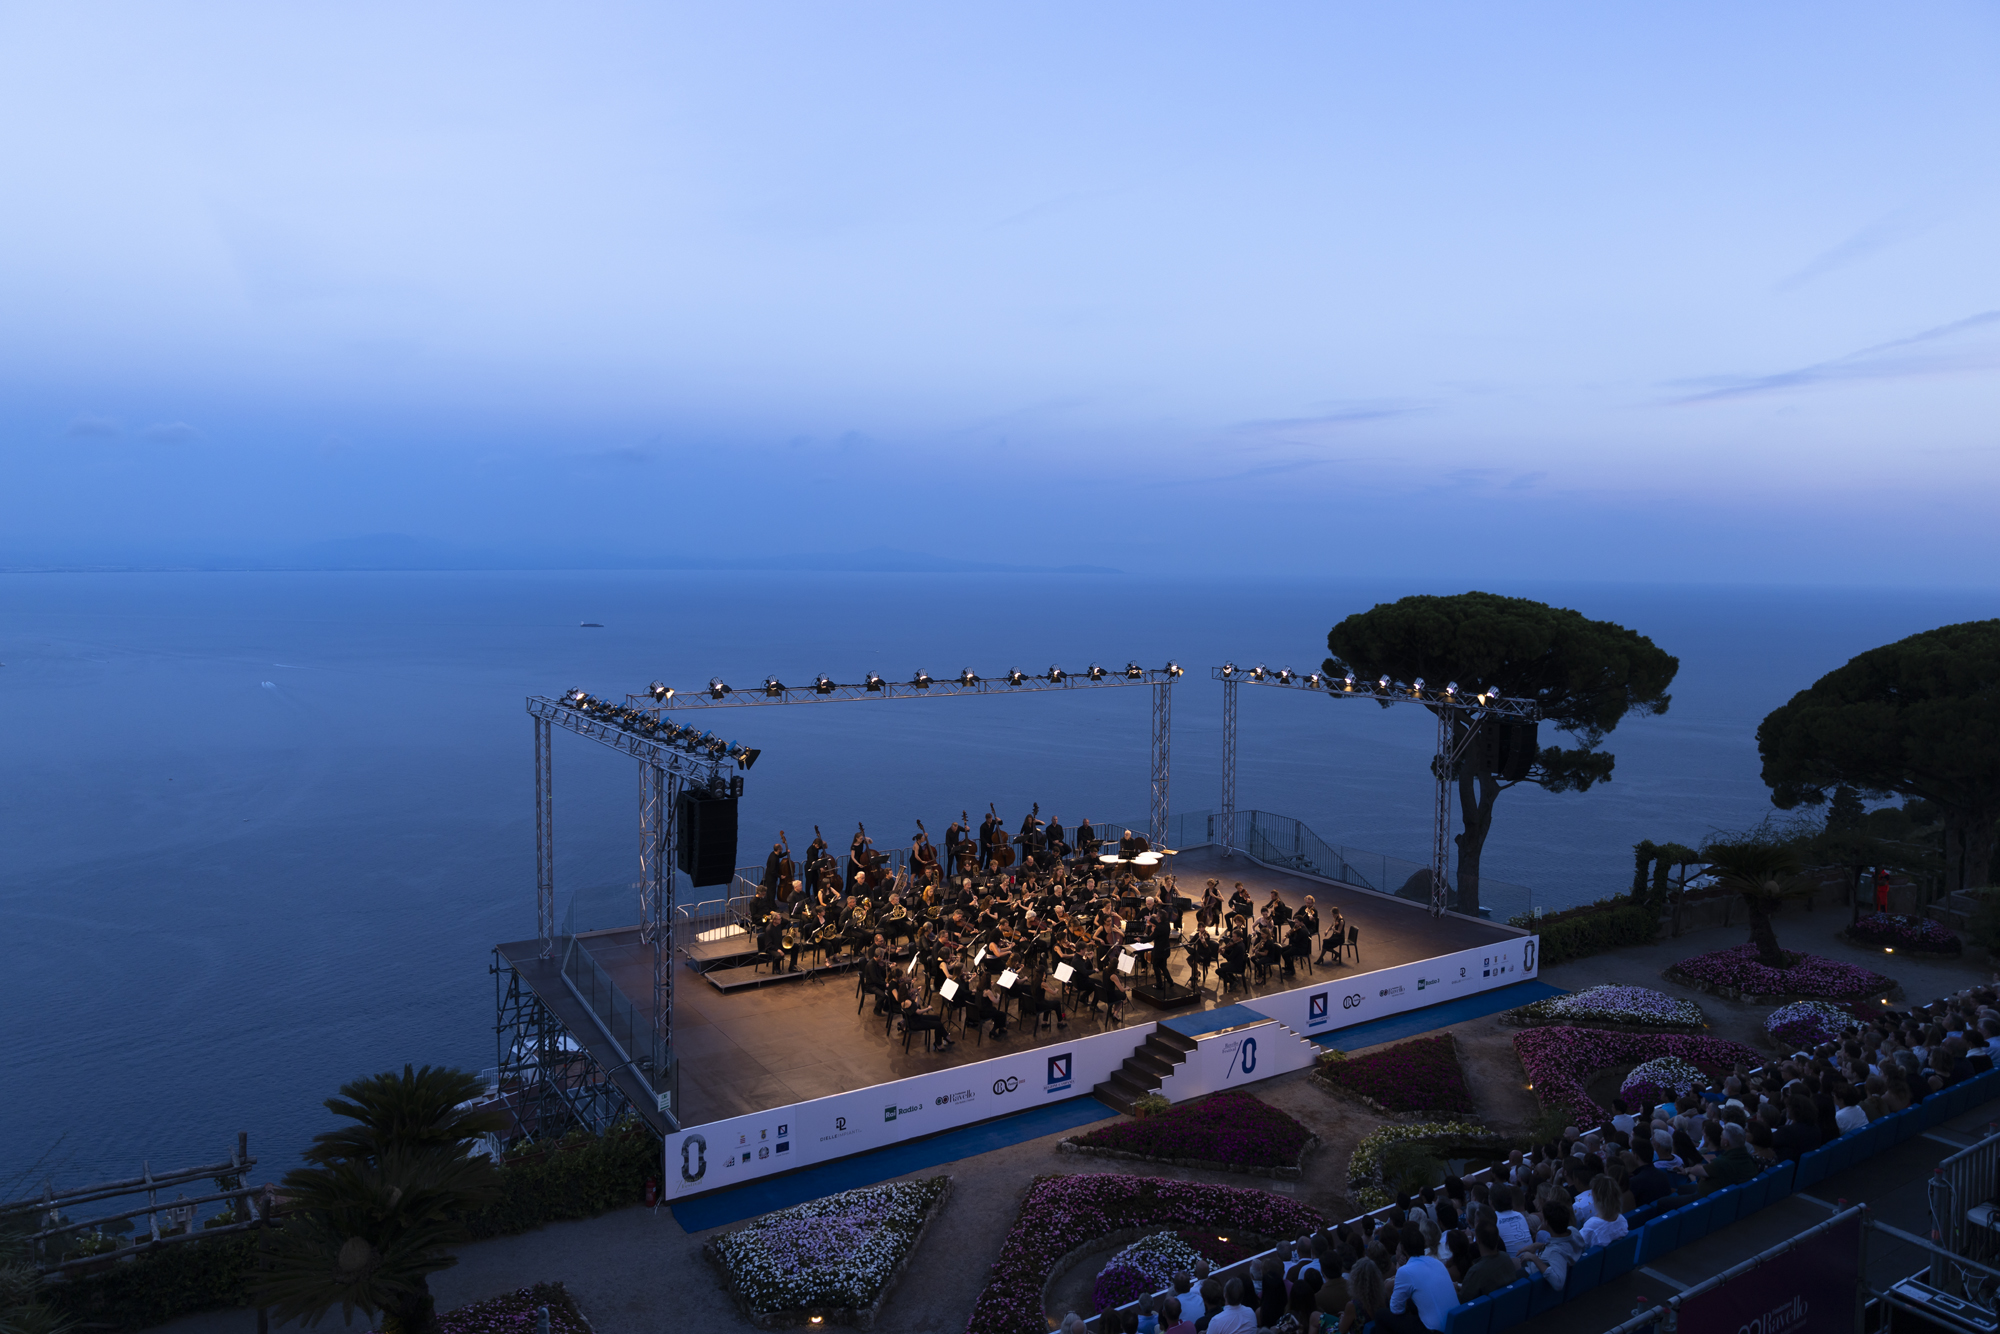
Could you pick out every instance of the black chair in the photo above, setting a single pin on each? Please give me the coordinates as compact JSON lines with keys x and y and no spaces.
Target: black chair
{"x":1354,"y":942}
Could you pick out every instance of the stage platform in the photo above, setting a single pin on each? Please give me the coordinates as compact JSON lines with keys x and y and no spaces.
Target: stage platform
{"x":757,"y":1047}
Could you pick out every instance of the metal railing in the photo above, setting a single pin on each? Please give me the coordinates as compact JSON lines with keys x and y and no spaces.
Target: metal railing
{"x":1961,"y":1183}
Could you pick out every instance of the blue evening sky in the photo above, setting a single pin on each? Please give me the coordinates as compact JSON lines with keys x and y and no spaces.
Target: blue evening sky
{"x":1694,"y":291}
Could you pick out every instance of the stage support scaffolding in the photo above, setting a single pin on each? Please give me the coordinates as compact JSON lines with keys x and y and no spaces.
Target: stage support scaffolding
{"x":1163,"y":741}
{"x":1462,"y":717}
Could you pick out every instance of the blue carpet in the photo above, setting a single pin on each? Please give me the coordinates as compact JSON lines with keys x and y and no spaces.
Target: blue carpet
{"x":1437,"y":1016}
{"x":865,"y":1169}
{"x":1198,"y":1022}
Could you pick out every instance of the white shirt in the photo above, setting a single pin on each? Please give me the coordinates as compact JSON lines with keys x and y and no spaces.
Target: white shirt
{"x":1851,"y":1118}
{"x":1192,"y":1309}
{"x":1231,"y":1320}
{"x":1514,"y":1232}
{"x":1598,"y":1231}
{"x":1622,"y":1122}
{"x":1424,"y":1280}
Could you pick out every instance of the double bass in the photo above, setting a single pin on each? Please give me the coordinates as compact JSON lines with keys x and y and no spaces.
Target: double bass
{"x":788,"y":869}
{"x":1002,"y":851}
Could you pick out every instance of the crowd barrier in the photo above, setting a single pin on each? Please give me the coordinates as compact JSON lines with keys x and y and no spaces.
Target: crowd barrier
{"x":1667,"y":1224}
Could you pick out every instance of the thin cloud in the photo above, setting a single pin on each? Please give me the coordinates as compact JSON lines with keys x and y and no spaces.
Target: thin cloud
{"x":87,"y":427}
{"x":170,"y":433}
{"x":1897,"y":359}
{"x":1877,"y":235}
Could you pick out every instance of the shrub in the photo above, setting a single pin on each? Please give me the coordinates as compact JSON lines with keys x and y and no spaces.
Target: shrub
{"x":1609,"y":925}
{"x":1116,"y":1285}
{"x":1560,"y":1061}
{"x":578,"y":1176}
{"x":1806,"y":1024}
{"x":1234,"y":1128}
{"x":515,"y":1313}
{"x":1366,"y":1179}
{"x":152,"y":1289}
{"x":837,"y":1252}
{"x":1662,"y":1079}
{"x":1638,"y":1006}
{"x":1417,"y":1076}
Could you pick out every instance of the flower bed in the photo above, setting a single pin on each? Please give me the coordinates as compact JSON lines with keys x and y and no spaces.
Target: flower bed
{"x":1234,"y":1132}
{"x":835,"y":1257}
{"x":1059,"y":1214}
{"x":1147,"y":1265}
{"x":1896,"y":931}
{"x":1803,"y":1025}
{"x":1662,"y":1079}
{"x":513,"y":1312}
{"x":1418,"y":1076}
{"x":1735,"y":973}
{"x":1560,"y":1061}
{"x":1364,"y":1166}
{"x":1639,"y":1008}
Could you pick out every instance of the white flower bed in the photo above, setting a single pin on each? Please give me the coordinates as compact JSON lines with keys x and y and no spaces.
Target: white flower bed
{"x":1614,"y":1005}
{"x":836,"y":1254}
{"x":1159,"y":1257}
{"x":1662,"y":1078}
{"x":1808,"y":1023}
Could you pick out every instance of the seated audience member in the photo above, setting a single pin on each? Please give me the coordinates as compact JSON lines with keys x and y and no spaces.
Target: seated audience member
{"x":1271,"y":1292}
{"x":1234,"y":1317}
{"x":1852,"y":1116}
{"x":1423,"y":1295}
{"x":1554,"y":1254}
{"x":1171,"y":1321}
{"x":1367,"y":1296}
{"x":1190,"y":1301}
{"x":1513,"y":1228}
{"x":1606,"y":1223}
{"x":1492,"y":1271}
{"x":1735,"y":1164}
{"x":1799,"y":1135}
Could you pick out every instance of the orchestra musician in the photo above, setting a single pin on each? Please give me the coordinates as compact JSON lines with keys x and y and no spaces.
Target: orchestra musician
{"x":1240,"y":903}
{"x":1336,"y":933}
{"x":1086,"y":838}
{"x":987,"y":828}
{"x":1053,"y":838}
{"x":1163,"y":949}
{"x":774,"y":869}
{"x":1298,"y":944}
{"x":1281,"y":912}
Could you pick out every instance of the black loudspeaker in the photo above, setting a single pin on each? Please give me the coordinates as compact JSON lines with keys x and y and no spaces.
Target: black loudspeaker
{"x":707,"y":838}
{"x":1510,"y":748}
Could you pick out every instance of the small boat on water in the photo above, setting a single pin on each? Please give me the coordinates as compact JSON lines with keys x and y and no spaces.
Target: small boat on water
{"x":591,"y":625}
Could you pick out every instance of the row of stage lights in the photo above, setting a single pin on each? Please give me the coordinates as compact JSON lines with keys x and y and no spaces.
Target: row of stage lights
{"x":825,"y":685}
{"x":692,"y":740}
{"x":1347,"y":685}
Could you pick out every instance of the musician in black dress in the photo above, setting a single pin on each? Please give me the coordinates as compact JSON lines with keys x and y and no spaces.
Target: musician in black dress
{"x":1241,"y":904}
{"x":1235,"y":955}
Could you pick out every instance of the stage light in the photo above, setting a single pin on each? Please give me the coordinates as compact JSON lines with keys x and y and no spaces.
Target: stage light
{"x":717,"y":746}
{"x":822,"y":684}
{"x":1285,"y":676}
{"x":1173,"y":668}
{"x":922,"y":680}
{"x":966,"y":678}
{"x":1382,"y":684}
{"x":1228,"y":670}
{"x":1016,"y":676}
{"x":1451,"y":688}
{"x":745,"y":756}
{"x":1313,"y":681}
{"x":1055,"y":675}
{"x":716,"y":689}
{"x":773,"y":687}
{"x":660,"y":690}
{"x":574,"y":698}
{"x":1495,"y":692}
{"x":1096,"y":673}
{"x":872,"y":682}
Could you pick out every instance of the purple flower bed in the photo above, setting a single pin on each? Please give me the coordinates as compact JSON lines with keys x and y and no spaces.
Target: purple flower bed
{"x":1803,"y":1025}
{"x":1897,"y":931}
{"x":514,"y":1313}
{"x":1061,"y":1213}
{"x":1804,"y":975}
{"x":1117,"y":1285}
{"x":1419,"y":1076}
{"x":1560,"y":1061}
{"x":1233,"y":1128}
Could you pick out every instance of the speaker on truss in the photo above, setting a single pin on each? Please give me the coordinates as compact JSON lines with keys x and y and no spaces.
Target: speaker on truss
{"x":1512,"y":746}
{"x":706,"y":837}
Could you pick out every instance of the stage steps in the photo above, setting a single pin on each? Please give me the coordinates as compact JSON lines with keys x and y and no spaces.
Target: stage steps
{"x":1145,"y":1069}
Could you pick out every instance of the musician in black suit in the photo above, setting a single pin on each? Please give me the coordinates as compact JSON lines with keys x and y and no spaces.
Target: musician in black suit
{"x":774,"y":868}
{"x":986,"y":828}
{"x":1163,"y":950}
{"x":1053,"y":837}
{"x":1086,"y":838}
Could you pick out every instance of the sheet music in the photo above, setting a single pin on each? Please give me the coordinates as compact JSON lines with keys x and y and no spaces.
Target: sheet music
{"x":1064,"y":972}
{"x":977,"y":957}
{"x":912,"y":968}
{"x":1142,"y":947}
{"x":950,"y":988}
{"x":1126,"y":962}
{"x":1008,"y":977}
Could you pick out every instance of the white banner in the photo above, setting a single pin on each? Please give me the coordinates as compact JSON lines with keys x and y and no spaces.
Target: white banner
{"x":744,"y":1148}
{"x":1236,"y":1057}
{"x":1340,"y":1001}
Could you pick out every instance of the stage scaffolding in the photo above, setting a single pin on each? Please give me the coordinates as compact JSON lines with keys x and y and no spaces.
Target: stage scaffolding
{"x":1460,"y":717}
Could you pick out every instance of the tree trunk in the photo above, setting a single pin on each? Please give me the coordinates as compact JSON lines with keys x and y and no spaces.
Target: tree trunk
{"x":417,"y":1314}
{"x":1477,"y":791}
{"x":1761,"y":934}
{"x":1968,"y":848}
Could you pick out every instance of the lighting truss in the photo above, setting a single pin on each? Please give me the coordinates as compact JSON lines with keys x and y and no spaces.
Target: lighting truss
{"x":659,"y":700}
{"x":1447,"y":702}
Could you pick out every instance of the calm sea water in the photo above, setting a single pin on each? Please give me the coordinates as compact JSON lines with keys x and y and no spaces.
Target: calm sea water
{"x":258,"y":832}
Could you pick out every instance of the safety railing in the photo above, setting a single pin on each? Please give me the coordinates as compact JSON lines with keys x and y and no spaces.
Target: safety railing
{"x":629,"y":1030}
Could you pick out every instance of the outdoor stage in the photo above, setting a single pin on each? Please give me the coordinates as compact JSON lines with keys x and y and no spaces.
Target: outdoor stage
{"x":763,"y":1047}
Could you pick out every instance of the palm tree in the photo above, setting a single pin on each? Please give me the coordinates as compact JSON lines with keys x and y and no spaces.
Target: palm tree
{"x":21,"y":1309}
{"x":375,"y":1212}
{"x":1763,"y":872}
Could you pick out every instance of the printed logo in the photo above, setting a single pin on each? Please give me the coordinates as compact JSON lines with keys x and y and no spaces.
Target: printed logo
{"x":840,"y":1123}
{"x":1316,"y":1010}
{"x":1528,"y":956}
{"x":945,"y":1099}
{"x":694,"y":1158}
{"x":1059,"y":1076}
{"x":783,"y":1131}
{"x":1392,"y":991}
{"x":889,"y":1112}
{"x":764,"y":1151}
{"x":782,"y":1146}
{"x":892,"y":1111}
{"x":1352,"y":1001}
{"x":1463,"y":973}
{"x":1423,"y":982}
{"x":1007,"y":1085}
{"x":1243,"y":1058}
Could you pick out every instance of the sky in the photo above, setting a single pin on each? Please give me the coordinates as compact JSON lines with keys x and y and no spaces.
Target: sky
{"x":1697,"y":292}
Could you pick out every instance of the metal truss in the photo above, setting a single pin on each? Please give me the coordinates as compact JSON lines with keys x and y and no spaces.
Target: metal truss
{"x":1450,"y":704}
{"x":545,"y":835}
{"x":660,"y":699}
{"x":659,"y":797}
{"x":548,"y":1080}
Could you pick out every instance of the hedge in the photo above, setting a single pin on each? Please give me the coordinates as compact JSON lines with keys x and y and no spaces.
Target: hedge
{"x":578,"y":1176}
{"x":1596,"y":929}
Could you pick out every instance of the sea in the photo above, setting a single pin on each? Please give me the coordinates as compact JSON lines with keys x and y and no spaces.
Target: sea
{"x":259,"y":832}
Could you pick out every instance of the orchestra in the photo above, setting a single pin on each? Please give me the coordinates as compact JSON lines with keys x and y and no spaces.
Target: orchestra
{"x":1031,"y":923}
